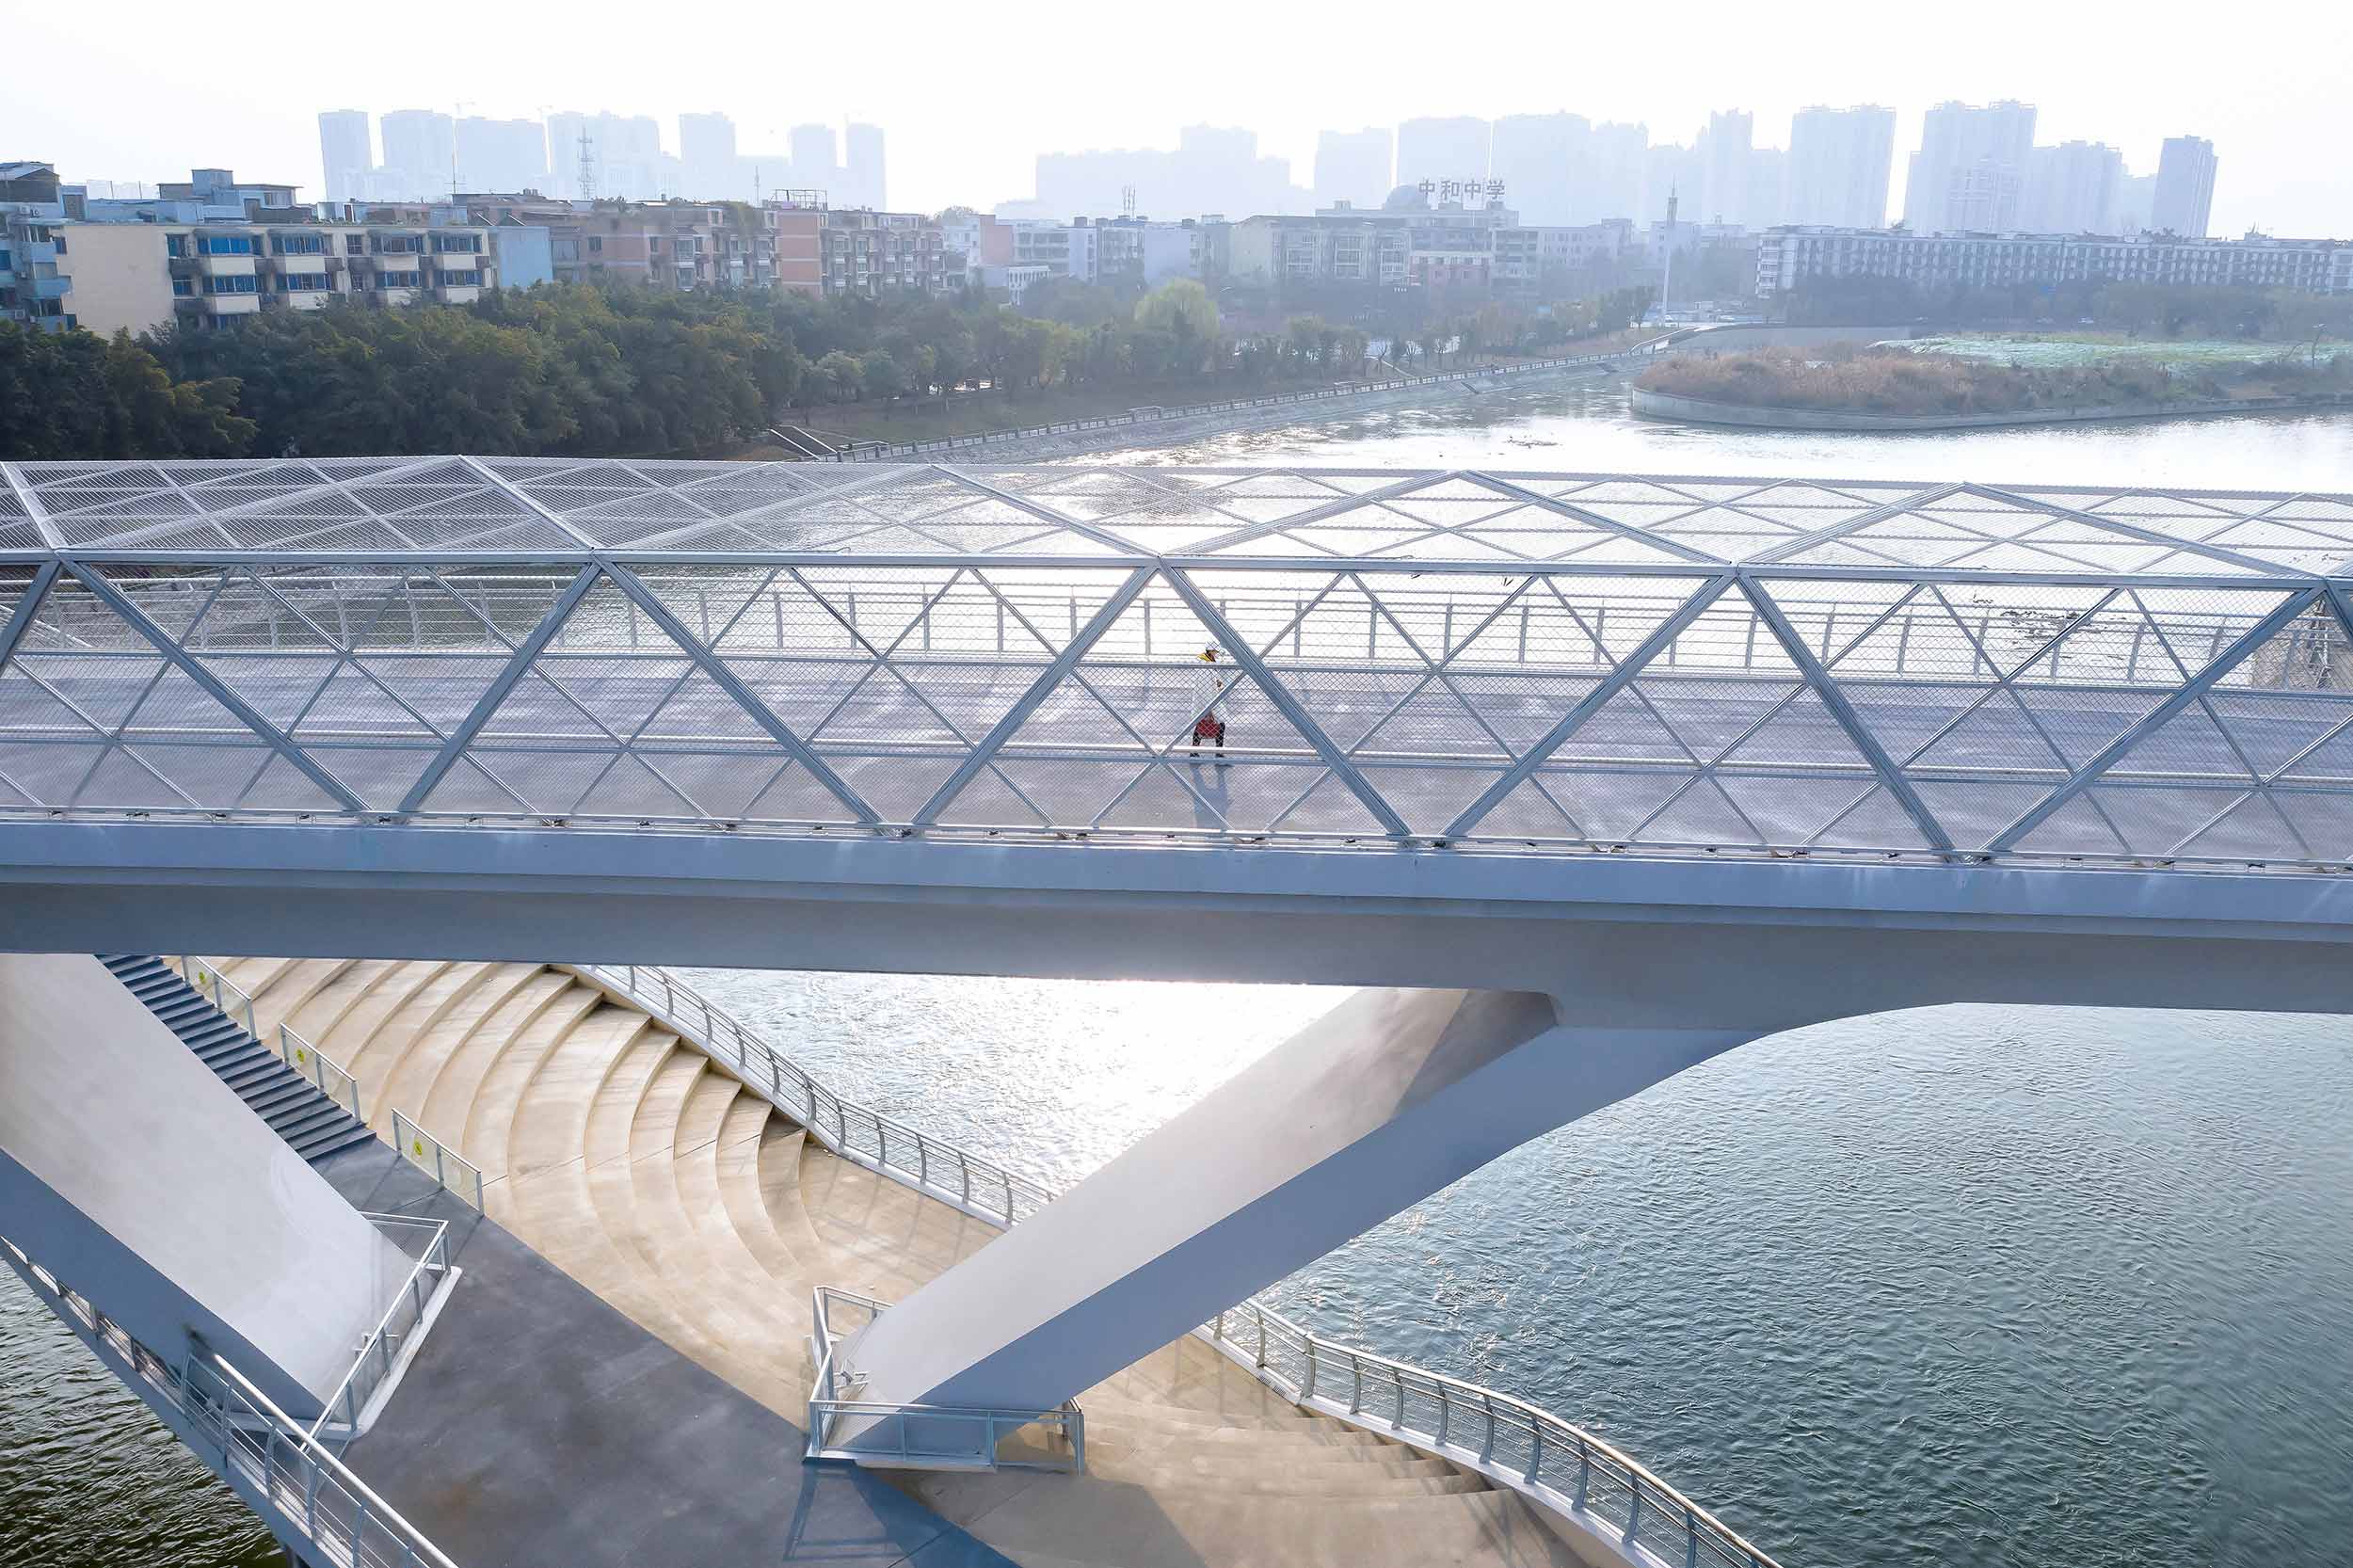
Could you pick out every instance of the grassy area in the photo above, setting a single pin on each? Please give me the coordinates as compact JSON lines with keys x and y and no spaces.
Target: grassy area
{"x":2067,"y":351}
{"x":1893,"y":378}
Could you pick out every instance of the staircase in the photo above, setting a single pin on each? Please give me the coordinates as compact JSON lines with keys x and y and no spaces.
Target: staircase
{"x":312,"y":1126}
{"x":628,"y":1158}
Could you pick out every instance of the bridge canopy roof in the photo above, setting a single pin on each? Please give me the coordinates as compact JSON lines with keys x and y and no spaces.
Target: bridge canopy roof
{"x":1487,"y":661}
{"x":554,"y":509}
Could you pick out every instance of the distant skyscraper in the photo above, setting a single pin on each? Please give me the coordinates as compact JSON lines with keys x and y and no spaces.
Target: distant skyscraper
{"x":1722,"y":196}
{"x":1213,"y":169}
{"x":863,"y":167}
{"x":1769,"y":187}
{"x":1354,"y":166}
{"x":623,"y":155}
{"x":502,"y":154}
{"x":2183,"y":203}
{"x":1839,"y":161}
{"x":2071,"y":190}
{"x":1970,"y":168}
{"x":1610,"y":180}
{"x":707,"y":160}
{"x":815,"y":164}
{"x":418,"y":145}
{"x":2135,"y":201}
{"x":345,"y":153}
{"x":1534,"y":156}
{"x":1442,"y":149}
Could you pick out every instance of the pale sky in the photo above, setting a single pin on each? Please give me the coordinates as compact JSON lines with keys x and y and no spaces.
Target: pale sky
{"x":967,"y":95}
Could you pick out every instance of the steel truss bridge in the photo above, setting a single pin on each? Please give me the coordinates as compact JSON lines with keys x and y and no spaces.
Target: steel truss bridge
{"x":1537,"y":663}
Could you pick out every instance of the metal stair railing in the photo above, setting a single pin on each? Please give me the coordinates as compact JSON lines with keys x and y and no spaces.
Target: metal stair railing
{"x":299,"y":1485}
{"x":314,"y":1065}
{"x":1508,"y":1440}
{"x":450,"y":1170}
{"x":405,"y":1320}
{"x":919,"y":1436}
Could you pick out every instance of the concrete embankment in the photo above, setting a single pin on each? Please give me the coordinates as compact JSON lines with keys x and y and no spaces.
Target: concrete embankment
{"x":1696,"y":411}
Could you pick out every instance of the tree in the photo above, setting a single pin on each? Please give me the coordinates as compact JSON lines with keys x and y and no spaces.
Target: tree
{"x":1181,"y":308}
{"x":76,"y":394}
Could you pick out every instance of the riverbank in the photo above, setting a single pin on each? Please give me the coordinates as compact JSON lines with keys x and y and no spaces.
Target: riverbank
{"x":988,"y":413}
{"x":1696,"y":411}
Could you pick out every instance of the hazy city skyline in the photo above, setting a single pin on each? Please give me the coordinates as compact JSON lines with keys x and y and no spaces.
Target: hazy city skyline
{"x":957,"y":136}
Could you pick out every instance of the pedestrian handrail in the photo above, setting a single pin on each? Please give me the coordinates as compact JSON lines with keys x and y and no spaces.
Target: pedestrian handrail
{"x":450,"y":1171}
{"x":293,"y":1477}
{"x":1506,"y":1439}
{"x":224,"y":993}
{"x":917,"y":1436}
{"x":405,"y":1319}
{"x":1921,"y":637}
{"x":290,"y":1047}
{"x":932,"y":1166}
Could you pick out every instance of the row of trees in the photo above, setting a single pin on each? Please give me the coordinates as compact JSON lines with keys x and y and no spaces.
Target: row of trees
{"x":569,"y":369}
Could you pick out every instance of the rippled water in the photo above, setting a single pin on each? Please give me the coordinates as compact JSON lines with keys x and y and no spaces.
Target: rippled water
{"x":1966,"y":1285}
{"x":1959,"y":1286}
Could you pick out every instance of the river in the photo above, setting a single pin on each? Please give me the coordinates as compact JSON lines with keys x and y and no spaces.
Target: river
{"x":1966,"y":1285}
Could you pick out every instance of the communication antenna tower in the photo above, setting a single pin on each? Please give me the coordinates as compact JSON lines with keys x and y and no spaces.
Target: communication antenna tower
{"x":588,"y":165}
{"x":1126,"y":201}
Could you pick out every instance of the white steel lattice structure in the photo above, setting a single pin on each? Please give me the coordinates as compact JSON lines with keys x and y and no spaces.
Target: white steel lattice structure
{"x":1527,"y":662}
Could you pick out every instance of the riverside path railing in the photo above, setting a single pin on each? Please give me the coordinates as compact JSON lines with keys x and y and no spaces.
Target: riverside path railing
{"x":309,"y":1498}
{"x":1508,"y":1440}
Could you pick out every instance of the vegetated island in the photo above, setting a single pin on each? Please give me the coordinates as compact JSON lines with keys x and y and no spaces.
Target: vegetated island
{"x":1854,"y":385}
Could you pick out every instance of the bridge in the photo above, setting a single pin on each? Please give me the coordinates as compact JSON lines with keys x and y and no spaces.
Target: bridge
{"x":1591,"y":776}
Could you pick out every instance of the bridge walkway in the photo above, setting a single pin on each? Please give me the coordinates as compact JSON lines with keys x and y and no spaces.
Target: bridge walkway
{"x":630,"y":1161}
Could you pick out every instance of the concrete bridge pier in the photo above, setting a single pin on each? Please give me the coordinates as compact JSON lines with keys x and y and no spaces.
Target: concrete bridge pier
{"x":133,"y":1173}
{"x":1385,"y":1100}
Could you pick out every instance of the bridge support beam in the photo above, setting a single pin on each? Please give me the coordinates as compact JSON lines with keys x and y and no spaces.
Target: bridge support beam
{"x":142,"y":1180}
{"x":1375,"y":1106}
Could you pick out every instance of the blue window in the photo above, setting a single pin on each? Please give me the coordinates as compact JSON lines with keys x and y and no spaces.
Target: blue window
{"x":247,"y":284}
{"x":182,"y":287}
{"x":297,"y":245}
{"x":226,"y":244}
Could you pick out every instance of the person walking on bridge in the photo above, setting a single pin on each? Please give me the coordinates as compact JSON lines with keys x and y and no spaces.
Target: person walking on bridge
{"x":1209,"y":727}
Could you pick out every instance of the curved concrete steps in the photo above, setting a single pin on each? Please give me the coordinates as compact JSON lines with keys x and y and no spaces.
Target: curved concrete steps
{"x":640,"y":1167}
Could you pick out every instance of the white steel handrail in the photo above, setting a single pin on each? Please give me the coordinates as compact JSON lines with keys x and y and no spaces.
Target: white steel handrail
{"x":405,"y":1316}
{"x":1517,"y":1444}
{"x":261,"y":1451}
{"x":896,"y":1432}
{"x":236,"y":1004}
{"x":453,"y":1172}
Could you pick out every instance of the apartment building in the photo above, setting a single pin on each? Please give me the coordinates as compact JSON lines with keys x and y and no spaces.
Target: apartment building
{"x":1525,"y":256}
{"x":874,"y":253}
{"x":1788,"y":257}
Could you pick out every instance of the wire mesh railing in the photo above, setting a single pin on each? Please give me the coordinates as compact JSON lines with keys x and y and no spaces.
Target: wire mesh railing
{"x":404,"y":1319}
{"x":450,"y":1171}
{"x":1506,"y":1439}
{"x":284,"y":1472}
{"x":841,"y":1426}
